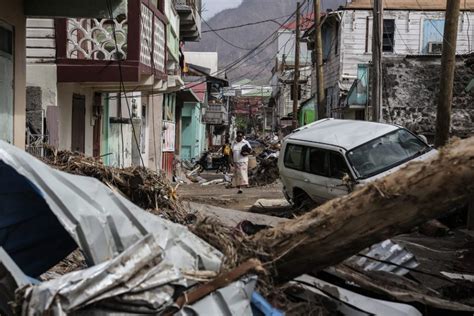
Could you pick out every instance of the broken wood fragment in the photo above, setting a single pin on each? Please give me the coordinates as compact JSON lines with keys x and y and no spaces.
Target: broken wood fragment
{"x":220,"y":281}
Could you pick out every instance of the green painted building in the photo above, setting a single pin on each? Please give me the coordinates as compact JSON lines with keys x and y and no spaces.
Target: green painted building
{"x":193,"y":131}
{"x":306,"y":113}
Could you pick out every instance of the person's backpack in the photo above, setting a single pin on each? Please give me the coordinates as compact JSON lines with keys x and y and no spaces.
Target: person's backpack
{"x":227,"y":150}
{"x":246,"y":150}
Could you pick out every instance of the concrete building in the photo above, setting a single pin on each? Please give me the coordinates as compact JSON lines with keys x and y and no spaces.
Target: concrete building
{"x":108,"y":87}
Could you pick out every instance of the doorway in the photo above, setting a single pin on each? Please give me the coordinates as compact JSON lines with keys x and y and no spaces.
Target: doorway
{"x":78,"y":125}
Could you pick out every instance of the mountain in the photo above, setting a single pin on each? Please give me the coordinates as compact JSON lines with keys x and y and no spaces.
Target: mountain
{"x":248,"y":37}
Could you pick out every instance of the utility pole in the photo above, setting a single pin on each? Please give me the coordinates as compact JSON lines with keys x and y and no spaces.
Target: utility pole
{"x":377,"y":35}
{"x":448,"y":63}
{"x":296,"y":78}
{"x":320,"y":108}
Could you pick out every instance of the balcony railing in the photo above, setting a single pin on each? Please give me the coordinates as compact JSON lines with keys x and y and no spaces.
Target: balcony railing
{"x":190,"y":18}
{"x":215,"y":114}
{"x":94,"y":39}
{"x":137,"y":39}
{"x":194,"y":4}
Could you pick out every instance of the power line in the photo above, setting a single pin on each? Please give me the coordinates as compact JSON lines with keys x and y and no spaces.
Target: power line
{"x":246,"y":24}
{"x":122,"y":86}
{"x":223,"y":39}
{"x":257,"y":50}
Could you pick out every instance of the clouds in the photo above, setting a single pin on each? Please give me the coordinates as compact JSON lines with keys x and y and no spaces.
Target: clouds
{"x":212,"y":7}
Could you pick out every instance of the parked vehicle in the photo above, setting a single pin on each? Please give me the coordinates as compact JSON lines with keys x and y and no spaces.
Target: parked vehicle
{"x":208,"y":162}
{"x":328,"y":158}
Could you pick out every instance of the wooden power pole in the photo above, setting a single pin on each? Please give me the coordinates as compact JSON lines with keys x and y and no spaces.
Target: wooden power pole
{"x":377,"y":35}
{"x":320,"y":107}
{"x":296,"y":77}
{"x":448,"y":63}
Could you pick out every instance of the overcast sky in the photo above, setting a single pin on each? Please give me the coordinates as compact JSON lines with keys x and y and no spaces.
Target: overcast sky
{"x":214,"y":6}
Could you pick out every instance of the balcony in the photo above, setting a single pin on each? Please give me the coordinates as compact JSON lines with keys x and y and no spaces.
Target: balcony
{"x":190,"y":19}
{"x":216,"y":115}
{"x":131,"y":47}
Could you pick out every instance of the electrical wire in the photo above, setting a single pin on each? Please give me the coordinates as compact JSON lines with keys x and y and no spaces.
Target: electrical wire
{"x":122,"y":86}
{"x":252,"y":53}
{"x":223,"y":39}
{"x":246,"y":24}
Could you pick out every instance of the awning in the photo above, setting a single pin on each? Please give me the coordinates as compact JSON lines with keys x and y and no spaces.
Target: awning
{"x":187,"y":95}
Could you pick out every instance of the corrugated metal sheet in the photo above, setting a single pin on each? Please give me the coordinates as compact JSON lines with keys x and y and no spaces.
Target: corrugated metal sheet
{"x":379,"y":256}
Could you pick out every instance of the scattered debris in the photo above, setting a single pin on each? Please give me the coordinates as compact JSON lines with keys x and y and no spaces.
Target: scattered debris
{"x":265,"y":173}
{"x":112,"y":232}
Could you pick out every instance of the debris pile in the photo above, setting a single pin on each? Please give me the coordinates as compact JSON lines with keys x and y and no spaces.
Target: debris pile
{"x":139,"y":257}
{"x":154,"y":193}
{"x":147,"y":189}
{"x":265,"y":173}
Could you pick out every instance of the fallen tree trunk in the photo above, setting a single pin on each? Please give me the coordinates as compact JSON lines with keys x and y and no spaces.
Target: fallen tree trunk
{"x":393,"y":205}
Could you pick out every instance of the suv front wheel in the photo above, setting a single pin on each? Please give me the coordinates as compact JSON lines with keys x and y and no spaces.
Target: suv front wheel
{"x":302,"y":201}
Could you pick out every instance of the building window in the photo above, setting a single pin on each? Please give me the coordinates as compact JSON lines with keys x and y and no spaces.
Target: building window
{"x":388,"y":35}
{"x":433,"y":30}
{"x":336,"y":44}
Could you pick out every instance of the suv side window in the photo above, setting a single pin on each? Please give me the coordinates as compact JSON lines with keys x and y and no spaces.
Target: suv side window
{"x":337,"y":166}
{"x":294,"y":157}
{"x":317,"y":161}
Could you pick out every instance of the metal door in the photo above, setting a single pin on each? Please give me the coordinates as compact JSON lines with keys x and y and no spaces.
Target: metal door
{"x":78,"y":125}
{"x":6,"y":83}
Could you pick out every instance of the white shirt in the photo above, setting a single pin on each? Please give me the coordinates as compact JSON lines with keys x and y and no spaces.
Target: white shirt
{"x":237,"y":148}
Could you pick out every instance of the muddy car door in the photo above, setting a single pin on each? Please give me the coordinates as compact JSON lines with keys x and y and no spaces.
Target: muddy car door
{"x":291,"y":174}
{"x":338,"y":170}
{"x":316,"y":174}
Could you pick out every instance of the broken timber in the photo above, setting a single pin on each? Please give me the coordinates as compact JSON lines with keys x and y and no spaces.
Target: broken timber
{"x":393,"y":205}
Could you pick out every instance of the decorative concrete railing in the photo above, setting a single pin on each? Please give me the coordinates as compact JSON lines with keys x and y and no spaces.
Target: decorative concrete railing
{"x":94,"y":39}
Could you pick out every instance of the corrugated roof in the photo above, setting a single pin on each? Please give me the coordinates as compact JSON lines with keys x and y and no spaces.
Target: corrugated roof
{"x":306,"y":22}
{"x":428,"y":5}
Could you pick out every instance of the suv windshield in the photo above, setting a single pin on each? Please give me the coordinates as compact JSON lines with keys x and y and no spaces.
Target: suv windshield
{"x":386,"y":152}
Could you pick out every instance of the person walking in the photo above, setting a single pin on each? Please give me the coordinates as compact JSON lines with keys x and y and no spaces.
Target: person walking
{"x":226,"y":152}
{"x":240,"y":151}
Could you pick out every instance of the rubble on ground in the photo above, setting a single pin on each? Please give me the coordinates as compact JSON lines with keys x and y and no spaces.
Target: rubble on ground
{"x":265,"y":173}
{"x":344,"y":227}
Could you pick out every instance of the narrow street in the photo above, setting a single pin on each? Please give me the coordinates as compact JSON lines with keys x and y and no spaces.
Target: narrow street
{"x":219,"y":195}
{"x":237,"y":157}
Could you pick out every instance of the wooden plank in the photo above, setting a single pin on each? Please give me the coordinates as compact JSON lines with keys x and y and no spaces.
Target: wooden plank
{"x":41,"y":52}
{"x":40,"y":33}
{"x":410,"y":5}
{"x":40,"y":43}
{"x":40,"y":23}
{"x":52,"y":125}
{"x":40,"y":60}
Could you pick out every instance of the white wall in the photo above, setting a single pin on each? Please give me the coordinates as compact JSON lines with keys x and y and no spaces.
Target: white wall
{"x":408,"y":35}
{"x":45,"y":77}
{"x":286,"y":46}
{"x":204,"y":59}
{"x":155,"y":129}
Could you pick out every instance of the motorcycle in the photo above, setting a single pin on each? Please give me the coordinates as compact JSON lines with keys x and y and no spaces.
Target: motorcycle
{"x":207,"y":162}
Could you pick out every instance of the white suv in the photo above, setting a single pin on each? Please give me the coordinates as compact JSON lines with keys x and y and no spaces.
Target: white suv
{"x":325,"y":159}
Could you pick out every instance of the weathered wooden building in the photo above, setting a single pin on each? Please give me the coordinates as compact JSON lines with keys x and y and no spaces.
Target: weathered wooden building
{"x":411,"y":27}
